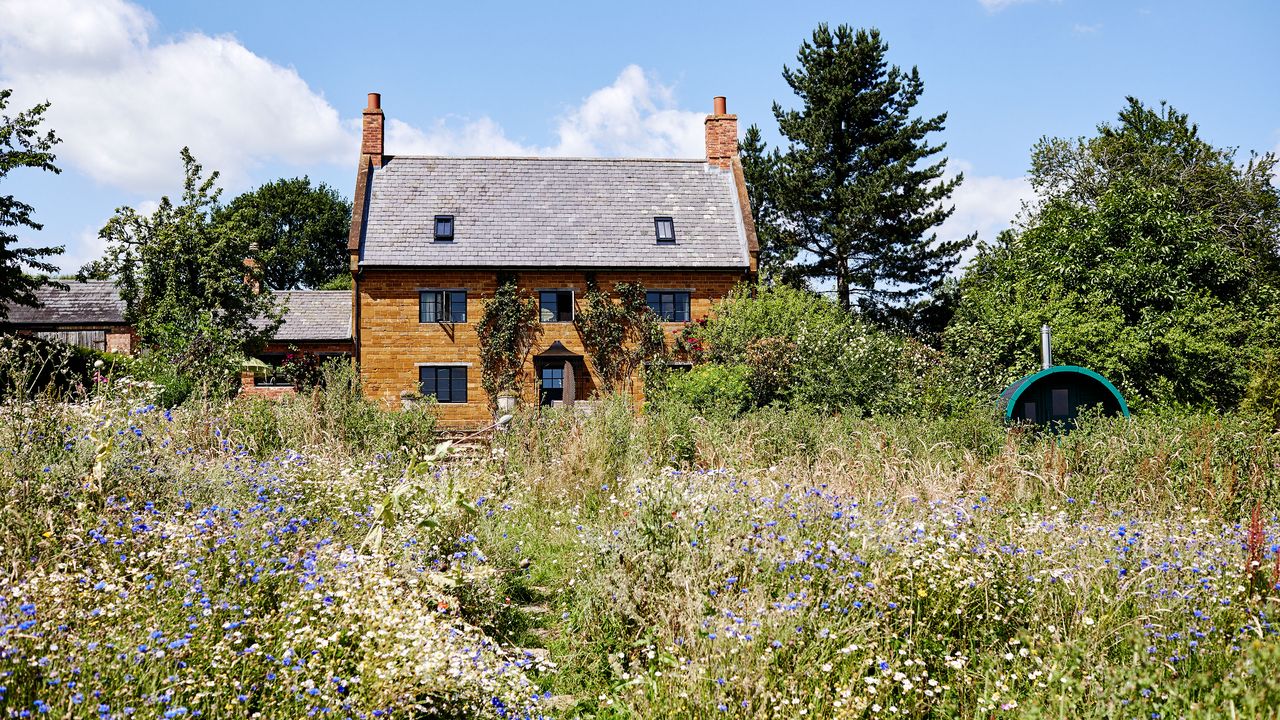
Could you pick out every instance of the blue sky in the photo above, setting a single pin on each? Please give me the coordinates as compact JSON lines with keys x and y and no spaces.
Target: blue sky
{"x":262,"y":90}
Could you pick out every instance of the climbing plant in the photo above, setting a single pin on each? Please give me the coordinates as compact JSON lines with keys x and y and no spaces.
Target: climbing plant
{"x":506,"y":334}
{"x":621,"y":335}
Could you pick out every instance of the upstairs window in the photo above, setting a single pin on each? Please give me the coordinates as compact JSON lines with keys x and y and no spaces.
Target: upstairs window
{"x":442,"y":306}
{"x":665,"y":228}
{"x":671,"y":306}
{"x":444,"y":228}
{"x":447,"y":383}
{"x":555,"y":306}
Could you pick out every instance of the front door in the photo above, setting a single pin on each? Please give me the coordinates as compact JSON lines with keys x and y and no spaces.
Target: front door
{"x":552,"y":378}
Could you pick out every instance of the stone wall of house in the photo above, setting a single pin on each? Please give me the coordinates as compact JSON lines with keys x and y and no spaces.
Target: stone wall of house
{"x":393,"y":344}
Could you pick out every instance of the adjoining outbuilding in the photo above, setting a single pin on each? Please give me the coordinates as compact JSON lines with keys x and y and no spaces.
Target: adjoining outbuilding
{"x":1058,"y":393}
{"x":89,"y":314}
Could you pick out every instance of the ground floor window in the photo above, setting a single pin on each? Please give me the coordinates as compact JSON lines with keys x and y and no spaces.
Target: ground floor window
{"x":447,"y":383}
{"x":671,"y":306}
{"x":552,"y":378}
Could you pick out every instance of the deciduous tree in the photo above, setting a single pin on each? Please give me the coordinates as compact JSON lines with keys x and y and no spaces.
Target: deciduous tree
{"x":189,"y":291}
{"x":22,"y":146}
{"x":300,"y":231}
{"x":1151,"y":253}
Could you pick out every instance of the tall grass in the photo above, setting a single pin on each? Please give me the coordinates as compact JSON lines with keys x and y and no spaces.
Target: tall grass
{"x":213,"y":559}
{"x":787,"y":564}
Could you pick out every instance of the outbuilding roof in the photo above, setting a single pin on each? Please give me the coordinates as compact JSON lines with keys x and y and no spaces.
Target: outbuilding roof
{"x":315,"y":315}
{"x":95,"y":302}
{"x":552,"y":212}
{"x":310,"y":314}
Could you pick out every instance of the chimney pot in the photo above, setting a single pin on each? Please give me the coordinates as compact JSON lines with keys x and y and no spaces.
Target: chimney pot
{"x":719,"y":105}
{"x":375,"y":101}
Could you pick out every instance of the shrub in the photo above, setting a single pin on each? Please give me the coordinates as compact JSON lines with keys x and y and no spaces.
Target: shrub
{"x":1262,"y":395}
{"x":711,"y":388}
{"x":802,"y":349}
{"x":30,"y":366}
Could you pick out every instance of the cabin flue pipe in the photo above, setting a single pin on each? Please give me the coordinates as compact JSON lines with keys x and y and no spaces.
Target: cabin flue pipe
{"x":1046,"y":347}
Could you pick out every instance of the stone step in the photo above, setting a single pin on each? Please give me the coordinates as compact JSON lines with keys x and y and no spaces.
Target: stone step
{"x":560,"y":703}
{"x":534,"y":610}
{"x":537,"y":659}
{"x":544,"y":634}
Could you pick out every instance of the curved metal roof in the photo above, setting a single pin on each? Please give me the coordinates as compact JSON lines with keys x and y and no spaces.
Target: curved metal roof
{"x":1014,"y":391}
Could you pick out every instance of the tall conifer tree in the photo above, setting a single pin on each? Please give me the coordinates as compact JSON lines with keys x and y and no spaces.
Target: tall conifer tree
{"x":855,"y":196}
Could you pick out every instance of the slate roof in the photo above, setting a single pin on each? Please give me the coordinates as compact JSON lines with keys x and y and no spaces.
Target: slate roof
{"x":311,"y":314}
{"x":315,"y":315}
{"x":95,"y":302}
{"x":552,"y":212}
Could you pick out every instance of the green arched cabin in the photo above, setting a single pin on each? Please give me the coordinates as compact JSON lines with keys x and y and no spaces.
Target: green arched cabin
{"x":1058,"y":394}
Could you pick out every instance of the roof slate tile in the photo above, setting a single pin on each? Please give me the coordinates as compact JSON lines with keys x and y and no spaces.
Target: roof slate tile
{"x":553,"y":212}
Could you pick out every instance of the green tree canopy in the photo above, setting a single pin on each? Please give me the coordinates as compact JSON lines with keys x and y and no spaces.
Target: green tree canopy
{"x":188,"y":289}
{"x":300,"y":231}
{"x":1151,"y":253}
{"x":855,"y":195}
{"x":22,"y":146}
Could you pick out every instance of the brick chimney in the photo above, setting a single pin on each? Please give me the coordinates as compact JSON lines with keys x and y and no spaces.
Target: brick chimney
{"x":722,"y":136}
{"x":371,"y":139}
{"x":252,"y":276}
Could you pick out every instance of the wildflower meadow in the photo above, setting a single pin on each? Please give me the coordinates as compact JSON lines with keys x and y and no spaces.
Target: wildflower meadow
{"x":279,"y":559}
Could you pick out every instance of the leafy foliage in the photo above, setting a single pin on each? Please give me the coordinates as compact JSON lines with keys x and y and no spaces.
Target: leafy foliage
{"x":303,"y":368}
{"x":620,"y":336}
{"x":193,"y":299}
{"x":711,"y":388}
{"x":854,"y":196}
{"x":22,"y":146}
{"x":802,"y":350}
{"x":1151,"y":255}
{"x":31,"y":366}
{"x":506,"y":335}
{"x":300,"y":231}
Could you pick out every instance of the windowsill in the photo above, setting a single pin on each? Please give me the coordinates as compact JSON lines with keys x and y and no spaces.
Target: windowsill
{"x":442,"y":322}
{"x":555,"y":322}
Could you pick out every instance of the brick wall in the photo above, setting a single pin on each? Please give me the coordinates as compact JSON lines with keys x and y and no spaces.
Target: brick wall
{"x":393,"y":343}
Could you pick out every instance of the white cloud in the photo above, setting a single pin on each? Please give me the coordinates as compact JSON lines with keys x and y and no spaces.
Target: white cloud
{"x":986,"y":204}
{"x":998,"y":5}
{"x":634,"y":116}
{"x":475,"y":137}
{"x":124,"y":103}
{"x":1082,"y":29}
